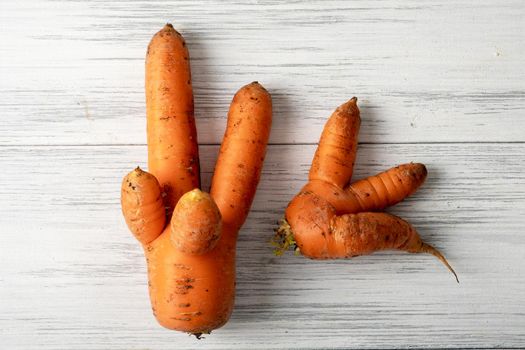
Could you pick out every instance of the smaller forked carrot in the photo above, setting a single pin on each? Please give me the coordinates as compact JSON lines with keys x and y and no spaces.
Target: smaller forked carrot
{"x":331,"y":218}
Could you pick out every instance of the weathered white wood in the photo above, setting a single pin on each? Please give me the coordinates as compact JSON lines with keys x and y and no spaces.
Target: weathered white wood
{"x":72,"y":124}
{"x":72,"y":71}
{"x":72,"y":276}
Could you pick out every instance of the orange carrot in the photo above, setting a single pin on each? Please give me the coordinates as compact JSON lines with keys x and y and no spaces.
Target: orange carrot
{"x":330,"y":219}
{"x":190,"y":250}
{"x":335,"y":156}
{"x":173,"y":156}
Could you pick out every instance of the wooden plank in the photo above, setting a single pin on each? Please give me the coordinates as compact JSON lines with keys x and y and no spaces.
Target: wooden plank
{"x":72,"y":276}
{"x":72,"y":71}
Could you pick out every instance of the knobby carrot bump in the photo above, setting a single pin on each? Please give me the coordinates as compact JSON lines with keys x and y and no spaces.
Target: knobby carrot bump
{"x":189,"y":236}
{"x":333,"y":218}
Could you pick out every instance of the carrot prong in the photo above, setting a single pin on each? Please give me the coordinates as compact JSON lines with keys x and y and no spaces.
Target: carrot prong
{"x":427,"y":248}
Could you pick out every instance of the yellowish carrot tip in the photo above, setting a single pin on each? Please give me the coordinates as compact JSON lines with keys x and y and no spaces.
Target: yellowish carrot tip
{"x":427,"y":248}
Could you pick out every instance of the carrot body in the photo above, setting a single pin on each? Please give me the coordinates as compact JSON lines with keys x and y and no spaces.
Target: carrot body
{"x":335,"y":156}
{"x":173,"y":156}
{"x":192,"y":293}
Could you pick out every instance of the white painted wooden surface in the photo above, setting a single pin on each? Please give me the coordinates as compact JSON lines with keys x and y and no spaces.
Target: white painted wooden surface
{"x":439,"y":82}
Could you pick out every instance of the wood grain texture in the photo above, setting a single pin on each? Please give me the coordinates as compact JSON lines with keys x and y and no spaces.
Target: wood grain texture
{"x":73,"y":71}
{"x":439,"y":82}
{"x":72,"y":276}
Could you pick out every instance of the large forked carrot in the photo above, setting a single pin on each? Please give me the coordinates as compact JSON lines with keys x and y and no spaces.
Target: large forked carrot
{"x":173,"y":156}
{"x":330,"y":218}
{"x":190,"y":247}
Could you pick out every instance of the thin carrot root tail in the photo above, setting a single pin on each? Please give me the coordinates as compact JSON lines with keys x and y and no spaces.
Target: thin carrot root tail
{"x":200,"y":335}
{"x":283,"y":239}
{"x":427,"y":248}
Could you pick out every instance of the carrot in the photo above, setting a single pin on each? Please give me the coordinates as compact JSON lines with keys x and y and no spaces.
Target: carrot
{"x":190,"y":244}
{"x":331,"y":219}
{"x":173,"y":156}
{"x":335,"y":156}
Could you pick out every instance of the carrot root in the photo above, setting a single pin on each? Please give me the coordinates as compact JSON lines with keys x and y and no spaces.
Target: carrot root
{"x":427,"y":248}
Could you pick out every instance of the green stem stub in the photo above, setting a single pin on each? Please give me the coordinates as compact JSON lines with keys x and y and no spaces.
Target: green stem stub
{"x":283,"y":239}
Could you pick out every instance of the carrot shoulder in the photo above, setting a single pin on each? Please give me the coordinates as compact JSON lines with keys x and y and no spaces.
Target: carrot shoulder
{"x":173,"y":156}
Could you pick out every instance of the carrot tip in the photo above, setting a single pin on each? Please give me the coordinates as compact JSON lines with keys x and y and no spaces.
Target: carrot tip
{"x":427,"y":248}
{"x":283,"y":239}
{"x":199,"y":335}
{"x":354,"y":99}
